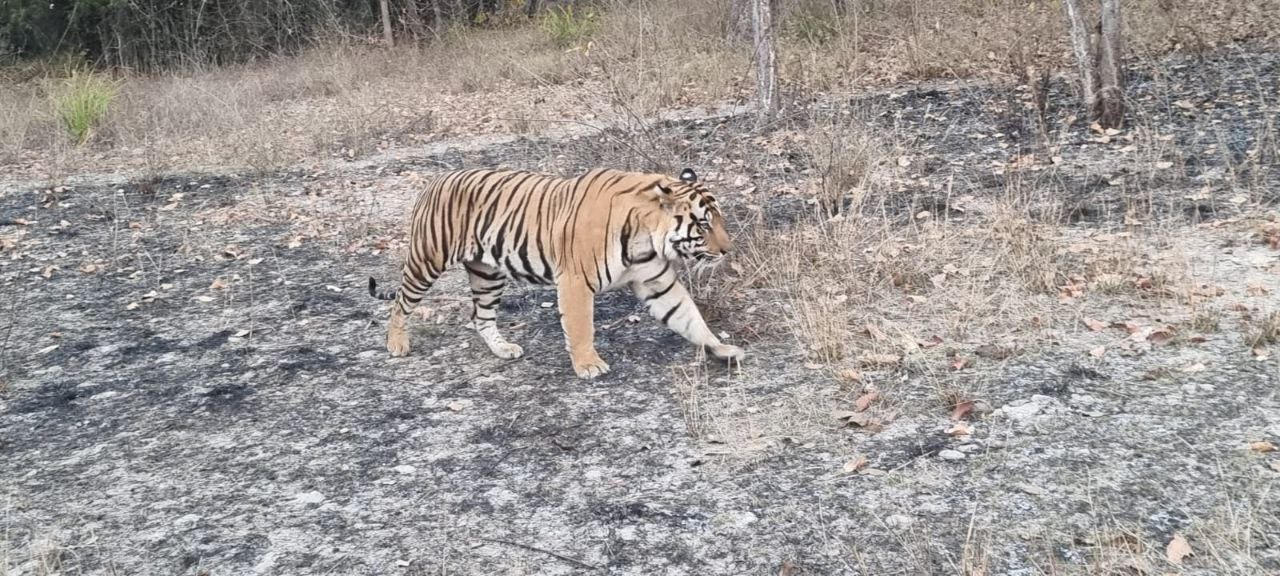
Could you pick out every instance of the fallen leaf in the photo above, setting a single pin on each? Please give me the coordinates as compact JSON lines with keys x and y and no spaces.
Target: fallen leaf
{"x":932,"y":342}
{"x":89,"y":268}
{"x":863,"y":402}
{"x":1262,"y":446}
{"x":959,"y":362}
{"x":131,"y":306}
{"x":1193,"y":368}
{"x":1128,"y":326}
{"x":218,"y":284}
{"x":1098,"y":352}
{"x":1161,"y":337}
{"x":859,"y":419}
{"x":995,"y":351}
{"x":961,"y":409}
{"x":904,"y":161}
{"x":1256,"y":290}
{"x":1275,"y":465}
{"x":788,"y":569}
{"x":875,"y":332}
{"x":1095,"y":325}
{"x":849,"y":375}
{"x":1177,"y":549}
{"x":1184,"y":104}
{"x":960,"y":429}
{"x":205,"y":299}
{"x":870,"y":359}
{"x":456,"y":406}
{"x":857,"y":463}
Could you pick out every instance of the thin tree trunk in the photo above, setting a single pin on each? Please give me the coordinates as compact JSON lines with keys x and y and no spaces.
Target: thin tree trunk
{"x":766,"y":68}
{"x":1080,"y":45}
{"x":533,"y":7}
{"x":415,"y":19}
{"x":386,"y":23}
{"x":1111,"y":67}
{"x":740,"y":28}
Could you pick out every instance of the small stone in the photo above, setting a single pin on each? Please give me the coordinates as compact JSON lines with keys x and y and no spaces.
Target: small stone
{"x":312,"y":497}
{"x":951,"y":455}
{"x":1031,"y":489}
{"x":405,"y":469}
{"x":899,"y":522}
{"x":187,"y":520}
{"x":105,"y":395}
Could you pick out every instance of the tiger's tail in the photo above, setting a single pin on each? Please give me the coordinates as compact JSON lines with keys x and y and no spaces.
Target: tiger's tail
{"x":386,"y":294}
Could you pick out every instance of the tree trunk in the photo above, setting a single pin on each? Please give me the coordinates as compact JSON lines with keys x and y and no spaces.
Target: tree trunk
{"x":1111,"y":67}
{"x":1083,"y":50}
{"x":386,"y":23}
{"x":415,"y":19}
{"x":766,"y":68}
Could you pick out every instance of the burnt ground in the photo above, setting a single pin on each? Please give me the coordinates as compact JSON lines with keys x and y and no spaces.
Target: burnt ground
{"x":194,"y":380}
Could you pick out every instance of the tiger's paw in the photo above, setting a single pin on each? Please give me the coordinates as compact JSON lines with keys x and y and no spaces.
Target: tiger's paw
{"x":591,"y":367}
{"x":506,"y":350}
{"x":398,"y":344}
{"x":727,"y":352}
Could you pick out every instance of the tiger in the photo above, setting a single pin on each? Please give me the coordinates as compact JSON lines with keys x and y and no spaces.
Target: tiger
{"x":585,"y":235}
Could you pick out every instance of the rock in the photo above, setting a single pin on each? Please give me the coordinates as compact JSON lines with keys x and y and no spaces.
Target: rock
{"x":405,"y":469}
{"x":1022,"y":411}
{"x":187,"y":521}
{"x":312,"y":497}
{"x":951,"y":455}
{"x":899,"y":522}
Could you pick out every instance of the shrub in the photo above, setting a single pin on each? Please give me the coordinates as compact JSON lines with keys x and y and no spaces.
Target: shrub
{"x":82,"y":101}
{"x":567,"y":28}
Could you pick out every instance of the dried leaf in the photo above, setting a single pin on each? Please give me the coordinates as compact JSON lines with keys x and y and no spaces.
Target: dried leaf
{"x":849,"y":375}
{"x":205,"y":299}
{"x":857,"y":463}
{"x":788,"y":569}
{"x":89,"y":268}
{"x":960,"y":429}
{"x":1193,"y":368}
{"x":959,"y":362}
{"x":961,"y":409}
{"x":863,"y":402}
{"x":859,"y":419}
{"x":875,"y":332}
{"x":1257,"y":290}
{"x":1161,"y":337}
{"x":1262,"y":446}
{"x":870,"y":359}
{"x":218,"y":284}
{"x":932,"y":342}
{"x":1177,"y":549}
{"x":1098,"y":352}
{"x":456,"y":405}
{"x":1095,"y":325}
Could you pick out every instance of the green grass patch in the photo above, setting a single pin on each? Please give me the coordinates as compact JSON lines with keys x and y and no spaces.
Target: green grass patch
{"x":82,"y":101}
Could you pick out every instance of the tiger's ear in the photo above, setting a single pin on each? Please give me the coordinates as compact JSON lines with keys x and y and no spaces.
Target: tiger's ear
{"x":664,"y":197}
{"x":688,"y":175}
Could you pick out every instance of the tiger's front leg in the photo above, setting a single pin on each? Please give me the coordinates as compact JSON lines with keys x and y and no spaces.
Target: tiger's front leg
{"x":669,"y":302}
{"x":577,"y":317}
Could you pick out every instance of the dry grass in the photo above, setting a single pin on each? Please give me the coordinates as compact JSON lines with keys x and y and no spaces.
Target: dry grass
{"x":344,"y":100}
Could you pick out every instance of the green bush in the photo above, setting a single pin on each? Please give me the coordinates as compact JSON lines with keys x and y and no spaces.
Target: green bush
{"x":567,"y":28}
{"x":82,"y":101}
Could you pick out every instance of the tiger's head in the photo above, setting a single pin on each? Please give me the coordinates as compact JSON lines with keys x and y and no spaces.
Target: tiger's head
{"x":698,"y":233}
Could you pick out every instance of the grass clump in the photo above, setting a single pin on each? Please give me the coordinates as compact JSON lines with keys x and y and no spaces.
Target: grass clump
{"x":82,"y":101}
{"x":566,"y":27}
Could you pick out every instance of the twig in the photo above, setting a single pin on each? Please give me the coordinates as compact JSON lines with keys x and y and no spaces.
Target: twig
{"x":568,"y":559}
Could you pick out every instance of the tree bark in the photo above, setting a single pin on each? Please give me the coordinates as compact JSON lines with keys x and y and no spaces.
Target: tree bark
{"x":766,"y":68}
{"x":1111,"y":67}
{"x":1083,"y":50}
{"x":386,"y":23}
{"x":415,"y":19}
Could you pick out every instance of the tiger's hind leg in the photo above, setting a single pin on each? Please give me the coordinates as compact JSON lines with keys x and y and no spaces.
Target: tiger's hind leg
{"x":414,"y":282}
{"x":670,"y":303}
{"x":487,"y":284}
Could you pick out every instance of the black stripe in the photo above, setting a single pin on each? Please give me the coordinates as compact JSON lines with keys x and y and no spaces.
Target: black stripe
{"x":671,"y":312}
{"x":665,"y":267}
{"x":660,"y":293}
